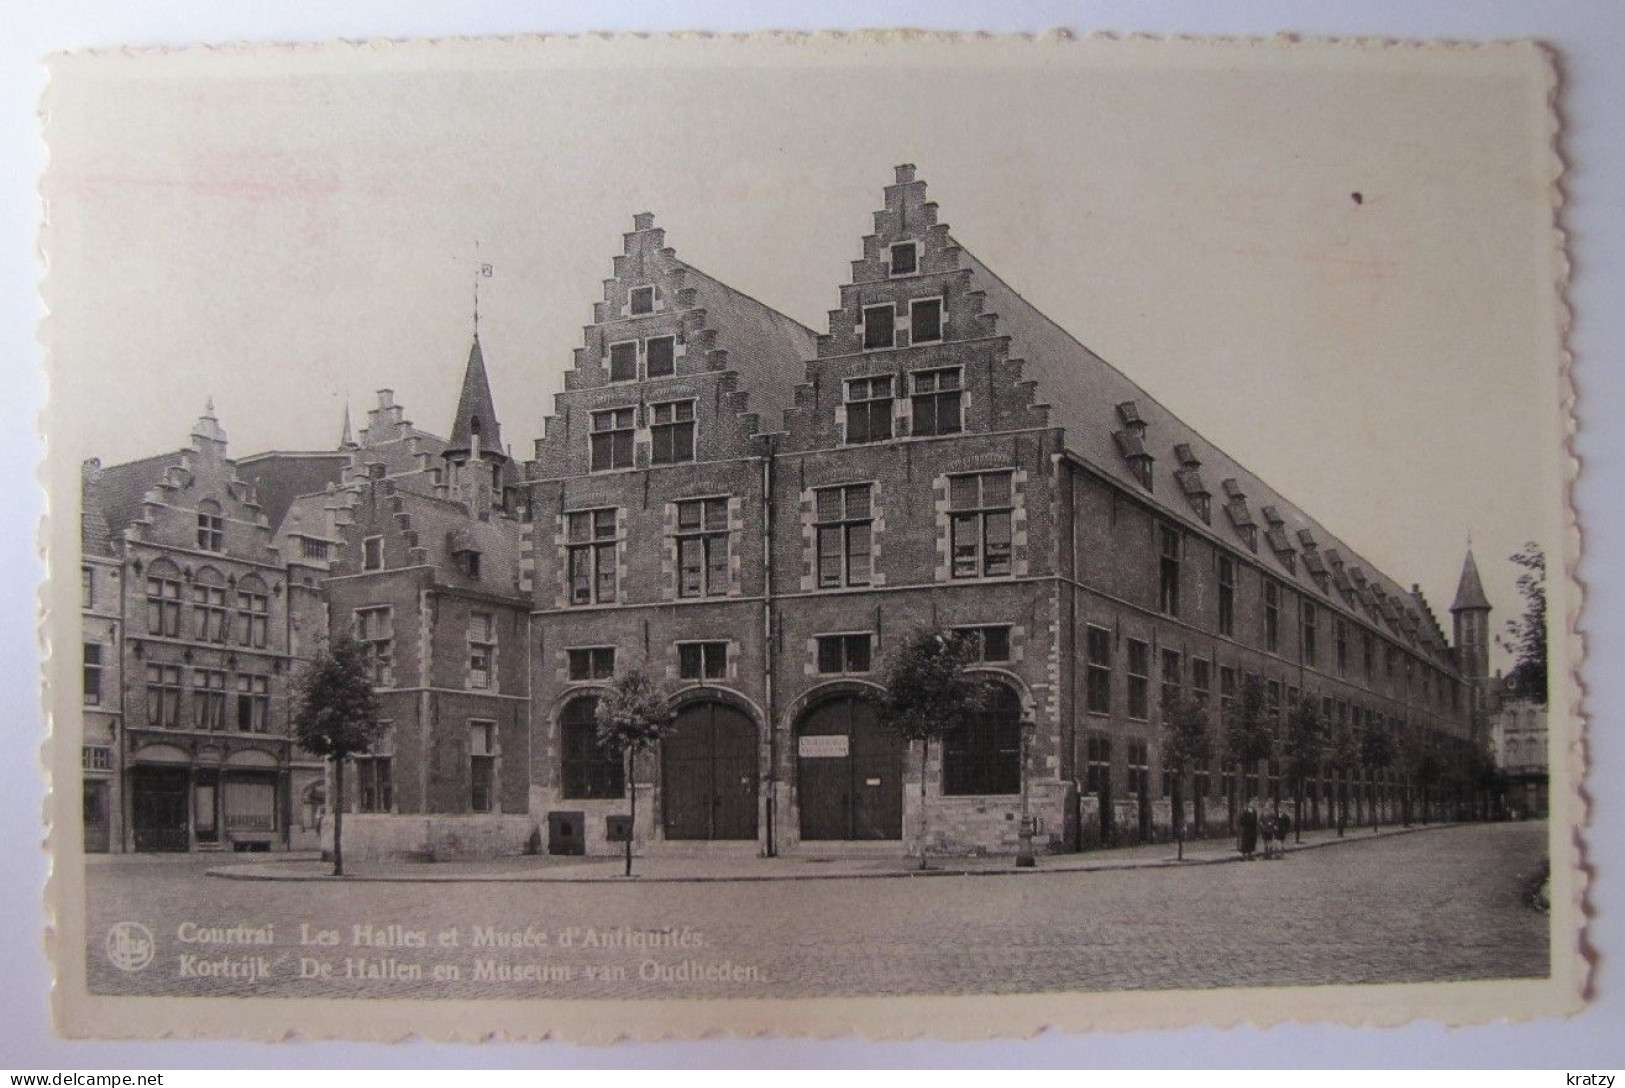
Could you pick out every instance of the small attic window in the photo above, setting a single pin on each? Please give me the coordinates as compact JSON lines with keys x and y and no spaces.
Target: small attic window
{"x":1240,"y":516}
{"x":1189,"y":475}
{"x":905,"y":259}
{"x":474,"y":425}
{"x":1131,"y":443}
{"x":643,"y":301}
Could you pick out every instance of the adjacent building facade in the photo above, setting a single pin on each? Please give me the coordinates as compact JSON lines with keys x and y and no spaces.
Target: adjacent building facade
{"x":759,"y":513}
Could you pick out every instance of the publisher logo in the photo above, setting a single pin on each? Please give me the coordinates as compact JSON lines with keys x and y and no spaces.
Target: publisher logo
{"x":130,"y":946}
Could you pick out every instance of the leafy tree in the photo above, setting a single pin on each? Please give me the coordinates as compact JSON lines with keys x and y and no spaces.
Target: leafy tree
{"x":634,"y":714}
{"x":1302,"y":741}
{"x":1186,"y":745}
{"x":930,"y":693}
{"x":336,"y":717}
{"x":1343,"y":756}
{"x":1248,"y":733}
{"x":1525,"y":636}
{"x":1377,"y":753}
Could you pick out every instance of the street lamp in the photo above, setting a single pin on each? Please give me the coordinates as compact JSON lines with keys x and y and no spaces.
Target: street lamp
{"x":1024,"y":852}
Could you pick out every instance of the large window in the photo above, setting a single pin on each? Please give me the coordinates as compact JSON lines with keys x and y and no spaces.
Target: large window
{"x":843,"y":653}
{"x":1342,"y":630}
{"x":1368,"y":653}
{"x":843,"y":526}
{"x":208,"y":699}
{"x":1097,"y":765}
{"x":253,"y":612}
{"x":868,"y":410}
{"x":209,"y":608}
{"x":1139,"y":680}
{"x":1139,"y":768}
{"x":936,"y":402}
{"x":1227,"y":595}
{"x":1099,"y":679}
{"x":93,"y":674}
{"x":982,"y":509}
{"x":482,"y":758}
{"x":1272,"y":616}
{"x":611,"y":443}
{"x":253,"y":704}
{"x":589,"y":771}
{"x":879,"y":326}
{"x":702,"y":660}
{"x":1171,"y":681}
{"x":987,"y":644}
{"x":671,"y":432}
{"x":925,"y":321}
{"x":660,"y":356}
{"x":984,"y":756}
{"x":87,"y":587}
{"x":164,"y":696}
{"x":482,"y":650}
{"x":211,"y":526}
{"x":375,"y":782}
{"x":702,"y":548}
{"x":164,"y":600}
{"x":372,"y":553}
{"x":374,"y":630}
{"x":1310,"y":642}
{"x":623,"y":361}
{"x":592,"y":663}
{"x":1168,"y":570}
{"x":592,"y":556}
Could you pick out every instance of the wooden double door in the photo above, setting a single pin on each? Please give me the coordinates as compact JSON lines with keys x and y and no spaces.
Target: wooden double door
{"x":708,"y":774}
{"x":159,"y":812}
{"x":849,"y":773}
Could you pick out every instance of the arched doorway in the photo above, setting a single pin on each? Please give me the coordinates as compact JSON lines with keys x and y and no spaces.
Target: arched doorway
{"x":849,"y":773}
{"x":708,"y":772}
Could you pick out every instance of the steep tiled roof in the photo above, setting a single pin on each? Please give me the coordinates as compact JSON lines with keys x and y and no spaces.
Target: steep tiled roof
{"x":1082,"y":390}
{"x":475,"y":408}
{"x":120,"y":489}
{"x":1470,"y":590}
{"x":765,"y":347}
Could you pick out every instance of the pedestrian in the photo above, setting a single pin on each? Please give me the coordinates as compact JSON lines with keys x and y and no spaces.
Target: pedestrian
{"x":1283,"y":828}
{"x":1267,"y":824}
{"x":1249,"y":832}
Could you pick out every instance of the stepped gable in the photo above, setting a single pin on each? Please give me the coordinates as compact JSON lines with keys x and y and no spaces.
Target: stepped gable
{"x":1082,"y":390}
{"x":405,"y":451}
{"x":1000,"y":390}
{"x":730,"y":353}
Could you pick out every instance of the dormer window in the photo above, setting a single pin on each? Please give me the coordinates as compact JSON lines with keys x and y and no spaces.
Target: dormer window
{"x":905,"y":259}
{"x":1240,"y":516}
{"x":879,"y":327}
{"x":1279,"y":543}
{"x":1131,"y":443}
{"x":925,"y":321}
{"x":643,"y":301}
{"x":1189,"y":475}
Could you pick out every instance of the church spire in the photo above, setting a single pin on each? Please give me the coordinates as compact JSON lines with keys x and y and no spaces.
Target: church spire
{"x":475,"y":426}
{"x":1470,"y":590}
{"x":346,"y":439}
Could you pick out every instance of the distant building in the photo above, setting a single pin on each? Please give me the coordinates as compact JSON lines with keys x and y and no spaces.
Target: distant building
{"x":1519,"y":741}
{"x":761,"y":513}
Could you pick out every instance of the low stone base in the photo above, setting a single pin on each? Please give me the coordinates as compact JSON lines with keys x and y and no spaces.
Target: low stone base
{"x":369,"y":836}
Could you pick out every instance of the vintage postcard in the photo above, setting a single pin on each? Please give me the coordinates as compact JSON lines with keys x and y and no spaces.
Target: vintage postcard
{"x":633,"y":537}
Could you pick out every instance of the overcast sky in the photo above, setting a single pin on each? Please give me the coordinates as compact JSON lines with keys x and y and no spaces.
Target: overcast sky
{"x":301,"y":229}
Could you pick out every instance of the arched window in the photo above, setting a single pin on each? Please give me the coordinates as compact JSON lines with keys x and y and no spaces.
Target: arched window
{"x":253,"y":611}
{"x":209,"y":605}
{"x":164,"y":599}
{"x":590,"y":772}
{"x":984,"y":757}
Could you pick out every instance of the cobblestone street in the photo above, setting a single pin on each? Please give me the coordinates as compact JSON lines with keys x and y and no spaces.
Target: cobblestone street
{"x":1442,"y":904}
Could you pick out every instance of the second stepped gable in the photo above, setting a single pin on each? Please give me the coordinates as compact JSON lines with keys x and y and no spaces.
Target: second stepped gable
{"x":914,"y":351}
{"x":387,"y":527}
{"x":677,"y":367}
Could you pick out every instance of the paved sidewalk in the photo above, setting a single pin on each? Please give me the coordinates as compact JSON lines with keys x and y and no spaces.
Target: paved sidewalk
{"x":700,"y":868}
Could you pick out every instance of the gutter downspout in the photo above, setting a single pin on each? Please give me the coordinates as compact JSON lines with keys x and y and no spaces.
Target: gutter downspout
{"x":768,"y":657}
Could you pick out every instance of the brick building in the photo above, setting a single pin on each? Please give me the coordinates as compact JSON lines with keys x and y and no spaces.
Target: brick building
{"x":760,"y":513}
{"x":193,"y":627}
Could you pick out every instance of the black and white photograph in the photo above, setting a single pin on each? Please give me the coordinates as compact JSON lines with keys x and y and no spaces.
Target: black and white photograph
{"x":635,"y":537}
